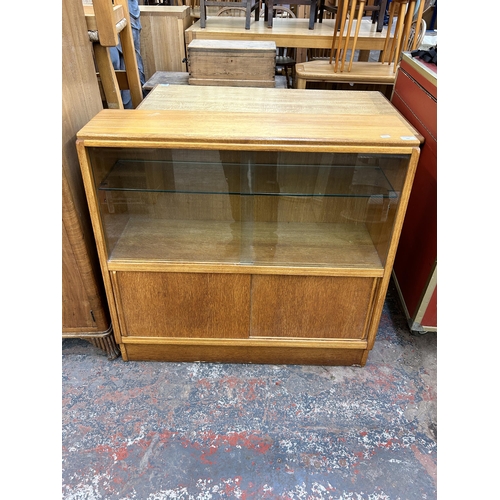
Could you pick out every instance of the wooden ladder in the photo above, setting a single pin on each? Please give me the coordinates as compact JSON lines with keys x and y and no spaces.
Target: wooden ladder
{"x":108,"y":24}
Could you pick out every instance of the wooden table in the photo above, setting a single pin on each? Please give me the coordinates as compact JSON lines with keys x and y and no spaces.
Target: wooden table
{"x":285,"y":33}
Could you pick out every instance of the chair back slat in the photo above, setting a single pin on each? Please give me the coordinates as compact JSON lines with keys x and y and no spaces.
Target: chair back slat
{"x":343,"y":39}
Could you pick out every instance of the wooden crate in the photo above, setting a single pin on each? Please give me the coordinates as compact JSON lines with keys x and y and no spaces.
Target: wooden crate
{"x":232,"y":63}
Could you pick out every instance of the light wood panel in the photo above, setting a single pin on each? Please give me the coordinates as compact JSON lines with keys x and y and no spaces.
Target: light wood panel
{"x":162,"y":38}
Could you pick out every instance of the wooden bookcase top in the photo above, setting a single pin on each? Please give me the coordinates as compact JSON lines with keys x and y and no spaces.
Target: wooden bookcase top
{"x":256,"y":118}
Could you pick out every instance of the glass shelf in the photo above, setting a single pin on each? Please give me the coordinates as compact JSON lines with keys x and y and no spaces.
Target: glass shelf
{"x":248,"y":179}
{"x":281,"y":210}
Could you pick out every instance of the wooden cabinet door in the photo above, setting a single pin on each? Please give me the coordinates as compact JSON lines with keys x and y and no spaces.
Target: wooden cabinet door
{"x":189,"y":305}
{"x":311,"y":306}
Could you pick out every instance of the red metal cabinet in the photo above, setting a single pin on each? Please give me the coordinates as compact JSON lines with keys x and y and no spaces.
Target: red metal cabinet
{"x":415,"y":267}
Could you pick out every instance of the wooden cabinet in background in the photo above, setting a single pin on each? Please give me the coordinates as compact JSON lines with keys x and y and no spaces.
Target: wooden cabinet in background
{"x":85,"y":312}
{"x":162,"y":38}
{"x":251,"y":231}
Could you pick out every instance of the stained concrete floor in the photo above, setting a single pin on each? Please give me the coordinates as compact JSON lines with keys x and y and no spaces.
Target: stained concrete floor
{"x":157,"y":431}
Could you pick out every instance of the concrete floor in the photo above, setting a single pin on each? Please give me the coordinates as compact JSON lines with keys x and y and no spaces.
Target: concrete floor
{"x":157,"y":431}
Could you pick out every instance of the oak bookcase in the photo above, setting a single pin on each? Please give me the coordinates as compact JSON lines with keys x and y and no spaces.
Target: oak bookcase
{"x":231,"y":231}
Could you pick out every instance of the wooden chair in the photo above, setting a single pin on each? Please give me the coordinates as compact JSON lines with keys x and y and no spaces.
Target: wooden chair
{"x":249,"y":6}
{"x":417,"y":34}
{"x":404,"y":11}
{"x":377,"y":11}
{"x":269,"y":8}
{"x":232,"y":12}
{"x":338,"y":32}
{"x":339,"y":70}
{"x":109,"y":24}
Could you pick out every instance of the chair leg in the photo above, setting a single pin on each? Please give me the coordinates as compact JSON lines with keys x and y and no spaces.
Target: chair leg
{"x":300,"y":83}
{"x":418,"y":26}
{"x":313,"y":11}
{"x":248,"y":14}
{"x":348,"y":34}
{"x":384,"y":55}
{"x":269,"y":5}
{"x":405,"y":33}
{"x":343,"y":16}
{"x":356,"y":33}
{"x":398,"y":34}
{"x":381,"y":15}
{"x":203,"y":14}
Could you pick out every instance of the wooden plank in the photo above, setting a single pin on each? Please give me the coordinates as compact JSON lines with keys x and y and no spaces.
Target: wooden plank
{"x":284,"y":354}
{"x":309,"y":343}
